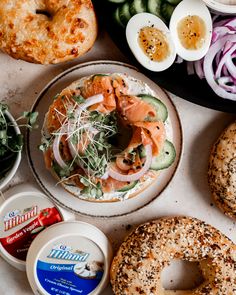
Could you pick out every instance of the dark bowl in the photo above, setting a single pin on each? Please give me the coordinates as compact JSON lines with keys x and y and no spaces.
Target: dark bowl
{"x":175,"y":79}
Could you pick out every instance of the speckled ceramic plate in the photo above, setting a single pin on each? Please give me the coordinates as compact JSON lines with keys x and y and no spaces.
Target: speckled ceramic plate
{"x":47,"y":181}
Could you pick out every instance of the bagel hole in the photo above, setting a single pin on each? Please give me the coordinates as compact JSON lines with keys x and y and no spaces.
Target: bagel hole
{"x":44,"y":12}
{"x":181,"y":275}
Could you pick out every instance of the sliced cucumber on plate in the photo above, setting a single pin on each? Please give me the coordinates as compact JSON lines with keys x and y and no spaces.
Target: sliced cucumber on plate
{"x":166,"y":10}
{"x":154,"y":7}
{"x":161,"y":8}
{"x":117,"y":18}
{"x":159,"y":106}
{"x":128,"y":187}
{"x":174,"y":2}
{"x":124,"y":13}
{"x":138,"y":6}
{"x":117,"y":1}
{"x":166,"y":157}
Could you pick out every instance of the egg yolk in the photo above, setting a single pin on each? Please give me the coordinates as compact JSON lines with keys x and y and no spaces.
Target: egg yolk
{"x":192,"y":32}
{"x":154,"y":44}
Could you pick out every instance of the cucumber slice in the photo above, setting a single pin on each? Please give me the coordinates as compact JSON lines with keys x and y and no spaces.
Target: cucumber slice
{"x":124,"y":13}
{"x":137,"y":6}
{"x":117,"y":19}
{"x":174,"y":2}
{"x":142,"y":151}
{"x":117,"y":1}
{"x":159,"y":106}
{"x":154,"y":7}
{"x":166,"y":157}
{"x":128,"y":187}
{"x":167,"y":10}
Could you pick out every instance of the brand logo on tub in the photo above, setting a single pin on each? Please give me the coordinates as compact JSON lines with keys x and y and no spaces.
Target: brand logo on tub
{"x":64,"y":252}
{"x":16,"y":217}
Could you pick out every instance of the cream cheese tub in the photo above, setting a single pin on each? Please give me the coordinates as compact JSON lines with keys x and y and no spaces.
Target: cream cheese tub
{"x":69,"y":258}
{"x":23,"y":215}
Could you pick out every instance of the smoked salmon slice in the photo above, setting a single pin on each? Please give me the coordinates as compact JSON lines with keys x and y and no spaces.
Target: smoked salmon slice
{"x":134,"y":109}
{"x":100,"y":85}
{"x":155,"y":131}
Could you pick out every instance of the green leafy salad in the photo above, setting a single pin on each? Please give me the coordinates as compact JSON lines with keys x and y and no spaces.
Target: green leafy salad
{"x":11,"y":142}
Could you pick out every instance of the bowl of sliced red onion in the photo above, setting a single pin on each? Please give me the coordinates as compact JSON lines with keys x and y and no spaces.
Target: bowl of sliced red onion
{"x":222,"y":6}
{"x":218,"y":66}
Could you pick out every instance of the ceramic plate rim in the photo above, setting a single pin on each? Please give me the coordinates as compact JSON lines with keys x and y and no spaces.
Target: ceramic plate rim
{"x":39,"y":98}
{"x":221,"y":7}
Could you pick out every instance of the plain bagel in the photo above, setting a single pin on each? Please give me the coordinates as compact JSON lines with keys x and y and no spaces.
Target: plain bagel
{"x":47,"y":31}
{"x":222,"y":171}
{"x":137,"y":267}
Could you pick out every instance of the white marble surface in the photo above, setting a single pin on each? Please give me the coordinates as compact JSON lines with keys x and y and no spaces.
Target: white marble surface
{"x":187,"y":194}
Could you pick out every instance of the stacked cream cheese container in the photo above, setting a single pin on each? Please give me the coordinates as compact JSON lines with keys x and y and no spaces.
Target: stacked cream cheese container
{"x":59,"y":254}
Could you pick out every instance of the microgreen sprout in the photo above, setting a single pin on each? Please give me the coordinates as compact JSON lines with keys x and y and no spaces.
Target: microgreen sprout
{"x":88,"y":132}
{"x":9,"y":140}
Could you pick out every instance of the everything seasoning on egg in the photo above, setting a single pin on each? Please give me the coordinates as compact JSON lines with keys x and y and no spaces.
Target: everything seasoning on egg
{"x":153,"y":43}
{"x":192,"y":32}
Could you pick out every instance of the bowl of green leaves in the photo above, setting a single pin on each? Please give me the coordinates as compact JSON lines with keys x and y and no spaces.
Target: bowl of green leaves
{"x":11,"y":142}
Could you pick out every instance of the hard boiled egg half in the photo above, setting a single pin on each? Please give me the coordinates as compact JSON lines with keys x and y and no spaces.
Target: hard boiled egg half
{"x":150,"y":41}
{"x":191,"y":29}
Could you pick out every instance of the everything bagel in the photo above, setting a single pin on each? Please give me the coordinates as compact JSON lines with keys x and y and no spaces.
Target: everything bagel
{"x":47,"y":31}
{"x":137,"y":267}
{"x":222,"y":171}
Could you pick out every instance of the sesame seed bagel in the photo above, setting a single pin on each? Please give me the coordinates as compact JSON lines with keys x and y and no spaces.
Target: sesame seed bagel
{"x":47,"y":31}
{"x":137,"y":267}
{"x":222,"y":171}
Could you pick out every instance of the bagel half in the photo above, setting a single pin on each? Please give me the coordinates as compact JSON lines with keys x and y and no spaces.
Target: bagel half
{"x":47,"y":31}
{"x":112,"y":191}
{"x":222,"y":171}
{"x":137,"y":267}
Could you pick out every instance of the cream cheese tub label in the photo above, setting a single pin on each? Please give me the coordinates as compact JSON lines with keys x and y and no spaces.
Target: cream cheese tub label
{"x":70,"y":265}
{"x":22,"y":220}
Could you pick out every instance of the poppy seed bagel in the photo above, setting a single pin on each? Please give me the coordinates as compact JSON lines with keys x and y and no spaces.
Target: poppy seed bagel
{"x":222,"y":171}
{"x":137,"y":267}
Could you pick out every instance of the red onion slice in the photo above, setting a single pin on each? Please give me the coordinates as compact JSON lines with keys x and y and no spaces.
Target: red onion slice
{"x":88,"y":103}
{"x":231,"y":67}
{"x":223,"y":83}
{"x":223,"y":60}
{"x":135,"y":176}
{"x":219,"y":32}
{"x":198,"y":65}
{"x":56,"y":151}
{"x":190,"y":68}
{"x":227,"y":47}
{"x":231,"y":22}
{"x":68,"y":129}
{"x":208,"y":66}
{"x":178,"y":60}
{"x":221,"y":23}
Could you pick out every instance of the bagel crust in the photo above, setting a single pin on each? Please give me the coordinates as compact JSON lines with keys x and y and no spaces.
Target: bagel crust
{"x":137,"y":267}
{"x":222,"y":171}
{"x":47,"y":31}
